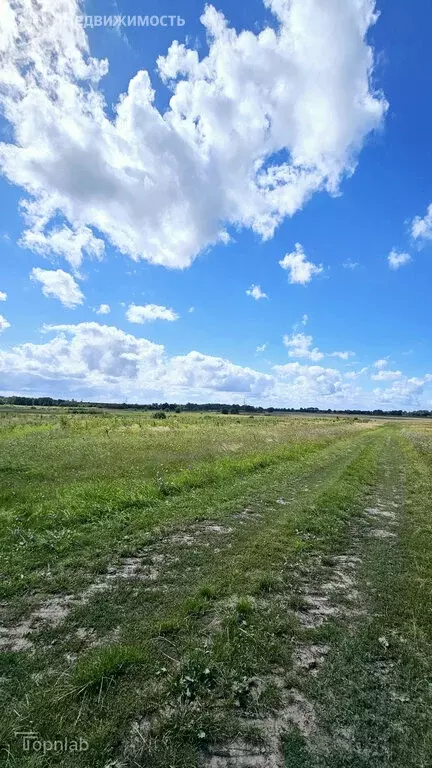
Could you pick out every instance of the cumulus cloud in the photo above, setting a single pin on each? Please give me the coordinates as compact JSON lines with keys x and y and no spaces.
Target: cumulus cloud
{"x":342,"y":355}
{"x":57,"y":284}
{"x":352,"y":375}
{"x":197,"y":372}
{"x":385,"y":375}
{"x":93,"y":354}
{"x":252,"y":130}
{"x":421,"y":228}
{"x":313,"y":381}
{"x":107,"y":360}
{"x":382,"y":363}
{"x":261,"y":348}
{"x":102,"y":362}
{"x":300,"y":270}
{"x":3,"y":295}
{"x":397,"y":260}
{"x":103,"y":309}
{"x":300,"y":345}
{"x":147,"y":313}
{"x":403,"y":393}
{"x":256,"y":292}
{"x":62,"y":241}
{"x":3,"y":323}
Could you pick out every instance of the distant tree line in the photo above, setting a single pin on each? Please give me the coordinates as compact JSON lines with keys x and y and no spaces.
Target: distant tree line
{"x":223,"y":408}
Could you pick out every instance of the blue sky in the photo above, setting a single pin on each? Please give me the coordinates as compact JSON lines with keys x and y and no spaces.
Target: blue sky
{"x":286,"y":148}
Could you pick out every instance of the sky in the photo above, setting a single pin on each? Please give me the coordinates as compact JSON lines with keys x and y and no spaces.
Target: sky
{"x":228,"y":202}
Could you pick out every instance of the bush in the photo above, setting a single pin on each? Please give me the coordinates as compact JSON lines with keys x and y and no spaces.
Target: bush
{"x":160,"y":415}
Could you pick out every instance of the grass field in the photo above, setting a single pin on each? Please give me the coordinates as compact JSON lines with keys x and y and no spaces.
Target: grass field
{"x":215,"y":591}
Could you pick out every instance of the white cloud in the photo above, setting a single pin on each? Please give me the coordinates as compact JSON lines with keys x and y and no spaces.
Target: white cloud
{"x":3,"y":295}
{"x":385,"y":375}
{"x":90,"y":353}
{"x":342,"y":355}
{"x":301,"y":323}
{"x":305,"y":385}
{"x":350,"y":264}
{"x":62,"y":241}
{"x":164,"y":186}
{"x":261,"y":347}
{"x":403,"y":393}
{"x":397,"y":260}
{"x":352,"y":375}
{"x":101,"y":362}
{"x":103,"y":359}
{"x":196,"y":372}
{"x":3,"y":323}
{"x":191,"y":310}
{"x":382,"y":363}
{"x":299,"y":345}
{"x":149,"y":312}
{"x":57,"y":284}
{"x":256,"y":292}
{"x":103,"y":309}
{"x":421,"y":229}
{"x":301,"y":270}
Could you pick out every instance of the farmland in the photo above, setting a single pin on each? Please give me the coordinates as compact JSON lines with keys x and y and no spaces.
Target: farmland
{"x":215,"y":591}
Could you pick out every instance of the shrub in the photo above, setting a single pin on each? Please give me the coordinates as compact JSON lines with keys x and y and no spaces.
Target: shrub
{"x":160,"y":415}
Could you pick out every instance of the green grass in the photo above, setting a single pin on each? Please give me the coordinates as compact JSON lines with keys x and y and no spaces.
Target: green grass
{"x":165,"y":664}
{"x":376,"y":684}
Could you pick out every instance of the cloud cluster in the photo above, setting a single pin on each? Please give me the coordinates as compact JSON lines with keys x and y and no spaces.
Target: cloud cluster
{"x":349,"y":264}
{"x":385,"y":375}
{"x":300,"y":345}
{"x":3,"y":323}
{"x":404,"y":393}
{"x":313,"y":384}
{"x":147,"y":313}
{"x":57,"y":284}
{"x":102,"y":362}
{"x":105,"y":359}
{"x":397,"y":260}
{"x":382,"y":363}
{"x":252,"y":130}
{"x":61,"y":241}
{"x":103,"y":309}
{"x":421,"y":228}
{"x":300,"y":270}
{"x":256,"y":292}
